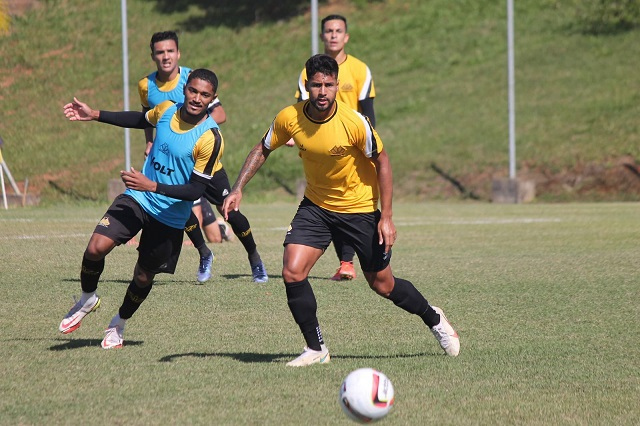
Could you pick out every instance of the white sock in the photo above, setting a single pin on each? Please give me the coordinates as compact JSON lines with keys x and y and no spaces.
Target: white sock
{"x":117,"y":321}
{"x":88,"y":297}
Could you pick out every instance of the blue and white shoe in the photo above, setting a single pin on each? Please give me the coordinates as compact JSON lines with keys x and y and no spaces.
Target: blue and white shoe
{"x":204,"y":270}
{"x":259,"y":273}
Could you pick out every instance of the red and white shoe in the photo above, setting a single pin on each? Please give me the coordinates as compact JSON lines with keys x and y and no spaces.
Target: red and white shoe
{"x":346,"y":271}
{"x":114,"y":334}
{"x":73,"y":319}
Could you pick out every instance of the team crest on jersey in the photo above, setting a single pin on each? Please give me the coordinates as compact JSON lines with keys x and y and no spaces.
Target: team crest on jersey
{"x":225,"y":192}
{"x":164,"y":148}
{"x":104,"y":222}
{"x":338,"y":151}
{"x":347,"y":87}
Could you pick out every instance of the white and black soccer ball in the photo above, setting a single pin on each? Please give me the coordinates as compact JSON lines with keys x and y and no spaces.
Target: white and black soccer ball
{"x":366,"y":395}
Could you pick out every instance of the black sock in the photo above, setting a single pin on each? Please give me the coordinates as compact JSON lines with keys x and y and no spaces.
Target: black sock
{"x":90,"y":274}
{"x":303,"y":306}
{"x":407,"y":297}
{"x":194,"y":232}
{"x":345,"y":252}
{"x":133,"y":299}
{"x":241,"y":228}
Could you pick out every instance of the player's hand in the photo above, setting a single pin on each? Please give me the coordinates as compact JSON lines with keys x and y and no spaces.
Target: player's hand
{"x":134,"y":179}
{"x":78,"y":111}
{"x":386,"y":233}
{"x":231,"y":202}
{"x":290,"y":143}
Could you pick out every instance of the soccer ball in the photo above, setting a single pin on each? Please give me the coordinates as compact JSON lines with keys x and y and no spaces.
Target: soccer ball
{"x":366,"y":395}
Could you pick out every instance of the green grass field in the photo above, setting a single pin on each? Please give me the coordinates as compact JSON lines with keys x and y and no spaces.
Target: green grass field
{"x":544,"y":297}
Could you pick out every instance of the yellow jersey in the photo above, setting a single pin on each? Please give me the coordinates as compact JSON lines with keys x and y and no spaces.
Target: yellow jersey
{"x":336,"y":156}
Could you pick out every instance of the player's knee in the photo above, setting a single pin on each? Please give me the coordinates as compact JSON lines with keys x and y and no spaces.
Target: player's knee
{"x":290,"y":275}
{"x":239,"y":222}
{"x":379,"y":283}
{"x":97,"y":249}
{"x":142,"y":277}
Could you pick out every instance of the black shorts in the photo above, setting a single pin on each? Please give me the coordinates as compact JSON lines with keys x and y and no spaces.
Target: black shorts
{"x":315,"y":227}
{"x":208,"y":215}
{"x":218,"y":188}
{"x":160,"y":245}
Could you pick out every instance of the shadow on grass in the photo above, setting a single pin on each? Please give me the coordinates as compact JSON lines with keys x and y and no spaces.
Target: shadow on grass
{"x":85,"y":343}
{"x":235,"y":14}
{"x":231,"y":277}
{"x":248,"y":357}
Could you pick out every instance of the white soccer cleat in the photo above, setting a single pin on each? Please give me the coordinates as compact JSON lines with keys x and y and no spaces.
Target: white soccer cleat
{"x":114,"y":334}
{"x":309,"y":356}
{"x":73,"y":319}
{"x":446,"y":335}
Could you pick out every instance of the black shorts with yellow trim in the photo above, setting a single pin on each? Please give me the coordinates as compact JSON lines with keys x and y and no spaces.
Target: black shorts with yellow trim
{"x":316,"y":227}
{"x":160,"y":245}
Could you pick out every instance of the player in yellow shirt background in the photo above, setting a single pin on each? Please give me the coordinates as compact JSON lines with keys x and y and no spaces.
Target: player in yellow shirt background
{"x":357,"y":91}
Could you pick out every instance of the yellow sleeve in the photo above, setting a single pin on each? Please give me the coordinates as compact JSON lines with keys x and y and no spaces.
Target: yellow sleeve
{"x":281,"y":129}
{"x":143,"y":91}
{"x":301,"y":91}
{"x":208,"y":152}
{"x":154,"y":114}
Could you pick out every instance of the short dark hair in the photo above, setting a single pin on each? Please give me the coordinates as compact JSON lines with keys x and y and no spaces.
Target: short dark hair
{"x":206,"y":75}
{"x":162,"y":36}
{"x":323,"y":64}
{"x":333,"y":18}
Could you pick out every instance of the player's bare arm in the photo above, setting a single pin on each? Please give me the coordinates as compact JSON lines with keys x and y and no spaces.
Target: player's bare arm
{"x":217,"y":112}
{"x":148,"y":135}
{"x":386,"y":229}
{"x":256,"y":158}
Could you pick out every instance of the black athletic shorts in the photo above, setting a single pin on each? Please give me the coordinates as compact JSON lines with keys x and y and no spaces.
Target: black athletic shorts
{"x":160,"y":245}
{"x":208,"y":215}
{"x":315,"y":227}
{"x":218,"y":188}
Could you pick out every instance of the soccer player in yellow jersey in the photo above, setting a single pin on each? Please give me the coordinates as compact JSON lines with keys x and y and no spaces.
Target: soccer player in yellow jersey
{"x":348,"y":173}
{"x":357,"y":91}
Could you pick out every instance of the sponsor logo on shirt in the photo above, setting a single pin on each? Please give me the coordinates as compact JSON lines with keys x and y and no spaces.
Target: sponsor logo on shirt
{"x":161,"y":168}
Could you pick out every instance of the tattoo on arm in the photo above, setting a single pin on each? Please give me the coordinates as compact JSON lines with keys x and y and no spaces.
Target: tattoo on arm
{"x":252,"y":164}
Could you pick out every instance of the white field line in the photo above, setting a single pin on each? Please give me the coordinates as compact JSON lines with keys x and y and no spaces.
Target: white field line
{"x":487,"y":221}
{"x":45,"y":236}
